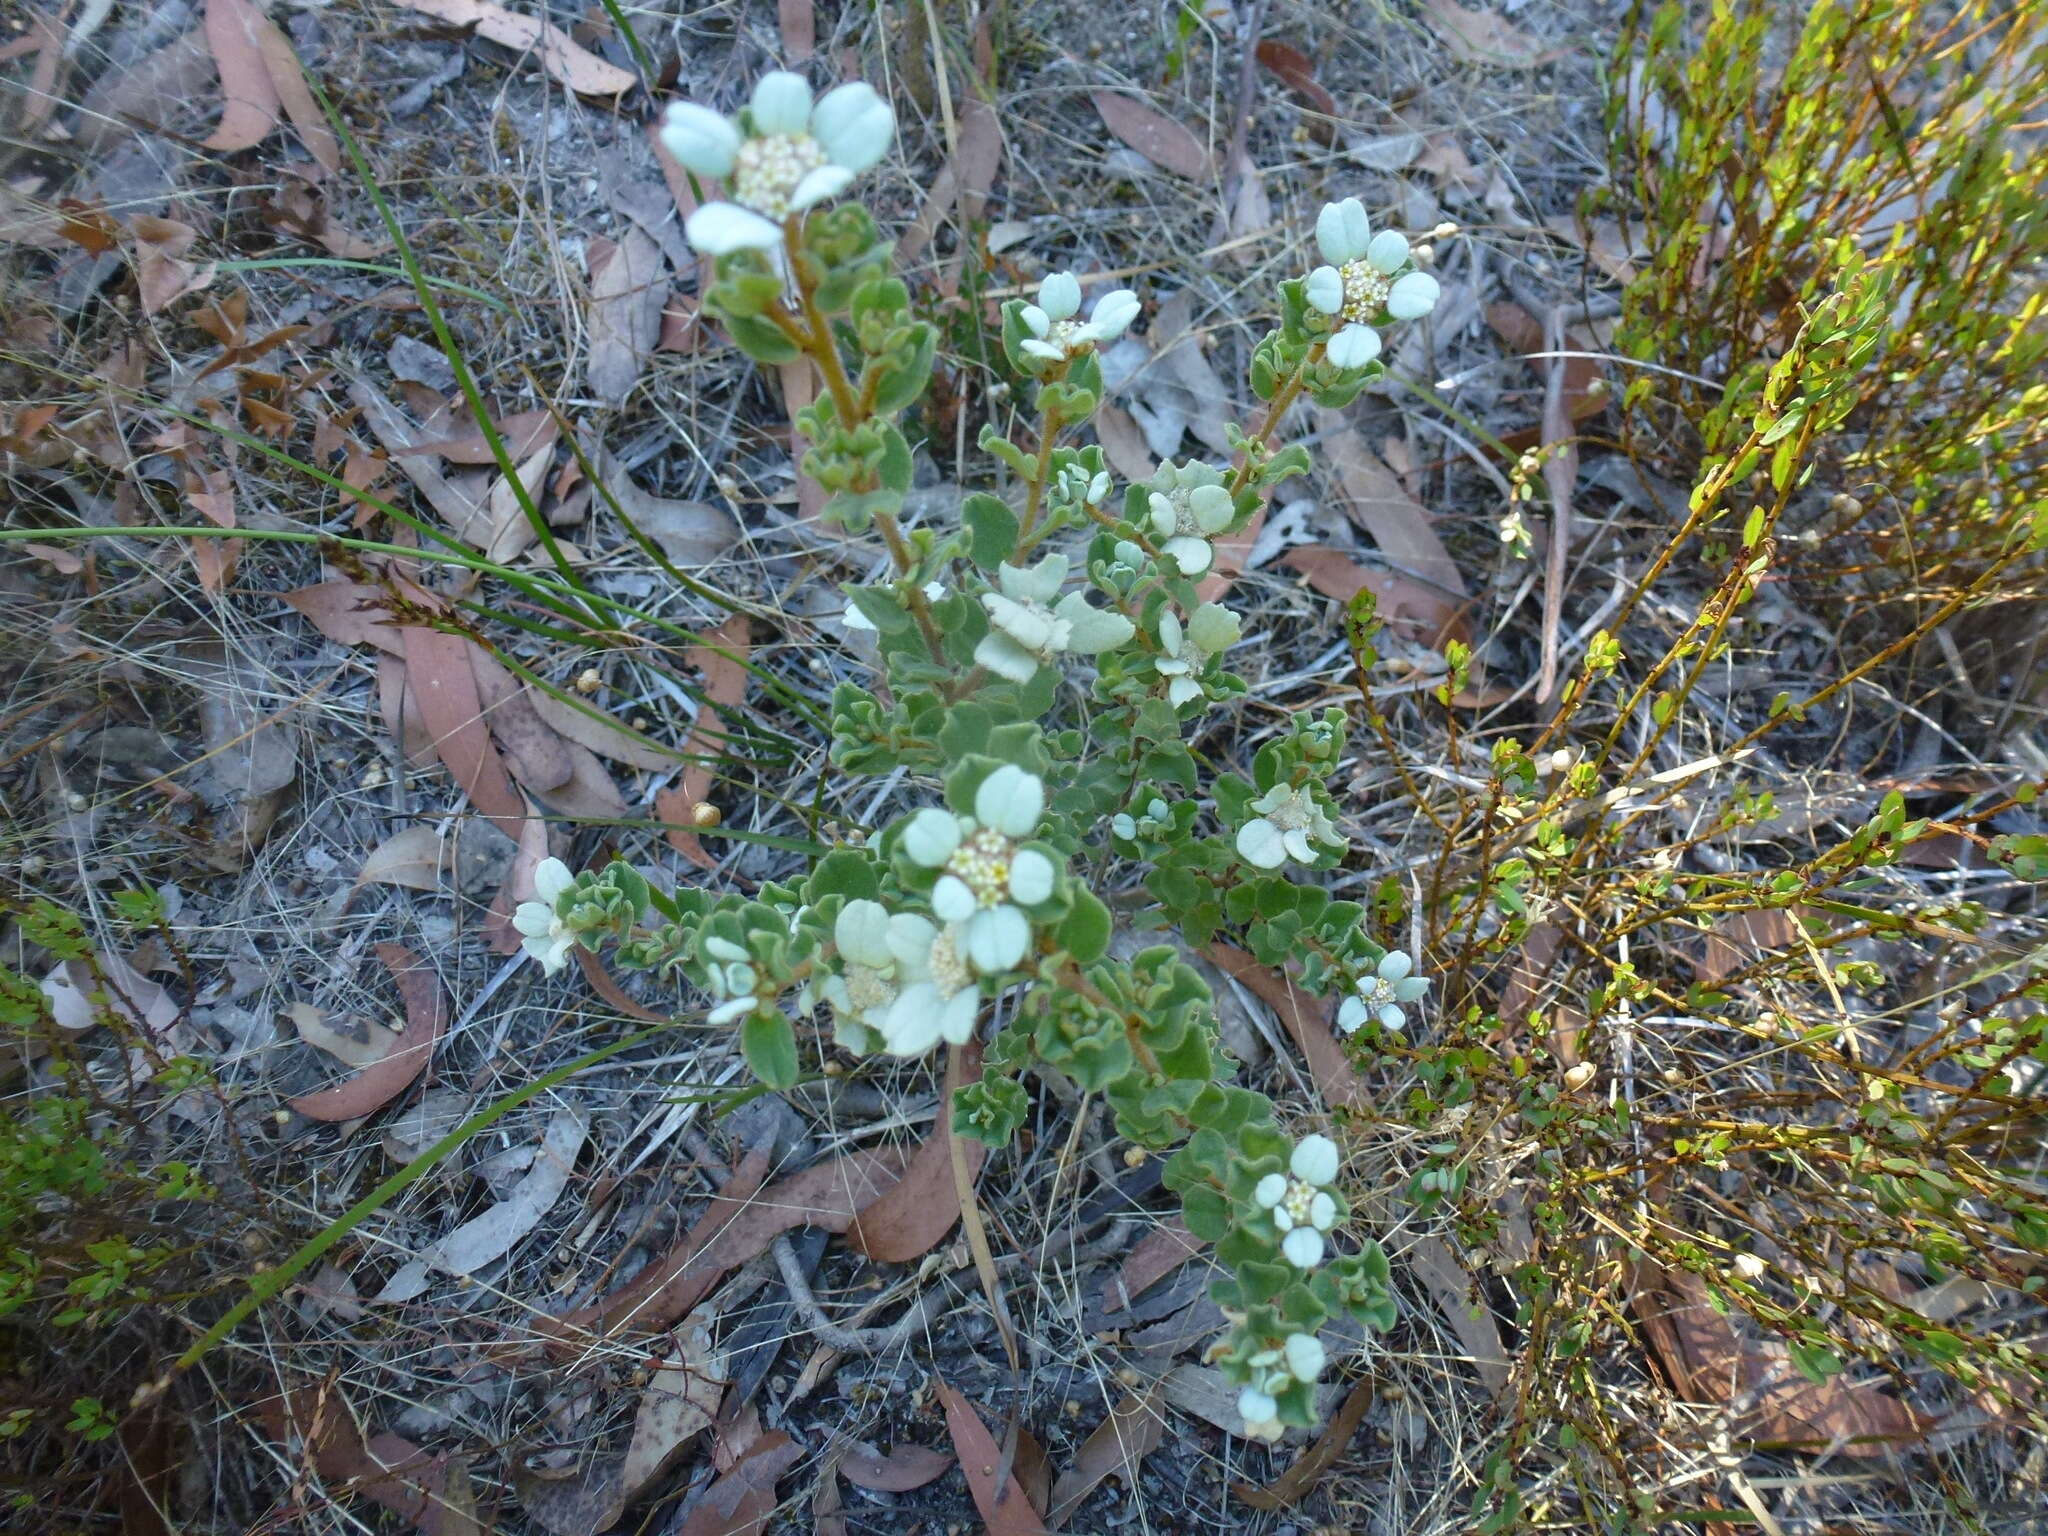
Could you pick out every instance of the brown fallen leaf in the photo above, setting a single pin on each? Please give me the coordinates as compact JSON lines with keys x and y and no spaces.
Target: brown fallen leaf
{"x":741,"y":1501}
{"x":1431,"y":1261}
{"x":250,"y":104}
{"x":151,"y":93}
{"x":1158,"y":1254}
{"x":1308,"y":1469}
{"x":1419,"y":610}
{"x":1166,"y":143}
{"x":459,"y":502}
{"x":426,"y":1015}
{"x":798,"y":24}
{"x":737,"y":1224}
{"x":902,"y":1470}
{"x":628,"y":286}
{"x":579,"y":69}
{"x":721,"y":660}
{"x":1307,"y":1019}
{"x":963,"y":183}
{"x":587,"y":725}
{"x":1739,"y":940}
{"x":349,"y":612}
{"x":1375,"y":499}
{"x":316,"y":1425}
{"x":252,"y":753}
{"x":417,"y":858}
{"x":162,"y":275}
{"x":1486,"y":37}
{"x":501,"y":530}
{"x":908,"y":1220}
{"x":1123,"y":443}
{"x":534,"y":753}
{"x":680,"y":1402}
{"x":70,"y":990}
{"x":1130,"y":1433}
{"x":1709,"y":1362}
{"x":1585,"y":388}
{"x":288,"y":84}
{"x":689,"y":533}
{"x":438,"y":668}
{"x":522,"y":433}
{"x":1003,"y":1505}
{"x":1298,"y":73}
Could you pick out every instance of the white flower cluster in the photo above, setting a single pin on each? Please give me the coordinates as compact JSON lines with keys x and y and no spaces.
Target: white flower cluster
{"x":1056,"y":335}
{"x":1188,"y":506}
{"x":543,"y":933}
{"x":1358,"y":281}
{"x":1032,"y":626}
{"x":1303,"y":1207}
{"x":905,"y":982}
{"x":1300,"y":1358}
{"x":1288,"y":826}
{"x":1380,"y":994}
{"x":783,"y":156}
{"x":1186,"y":649}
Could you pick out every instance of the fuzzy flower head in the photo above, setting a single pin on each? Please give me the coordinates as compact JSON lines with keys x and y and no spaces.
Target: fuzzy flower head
{"x":543,"y":933}
{"x":1188,"y":505}
{"x":1359,"y":280}
{"x":784,"y":155}
{"x":1055,"y":335}
{"x":938,"y":997}
{"x":1032,"y":626}
{"x":986,"y":878}
{"x":1211,"y":630}
{"x":1302,"y":1206}
{"x":1288,"y":825}
{"x":1380,"y":994}
{"x":867,"y":983}
{"x":1299,"y":1359}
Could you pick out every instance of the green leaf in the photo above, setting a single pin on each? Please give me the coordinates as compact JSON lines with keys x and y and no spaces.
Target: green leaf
{"x":760,"y":340}
{"x":843,"y":872}
{"x":1206,"y":1213}
{"x":1084,"y":933}
{"x":880,"y":609}
{"x":770,"y":1046}
{"x":992,"y":528}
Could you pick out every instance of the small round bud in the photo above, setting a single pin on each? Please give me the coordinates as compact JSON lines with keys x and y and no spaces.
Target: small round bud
{"x":705,"y":814}
{"x":727,"y":487}
{"x":1444,"y":231}
{"x":1134,"y":1157}
{"x":1423,"y":255}
{"x":588,"y":681}
{"x":1577,"y":1077}
{"x":34,"y":865}
{"x":76,"y":801}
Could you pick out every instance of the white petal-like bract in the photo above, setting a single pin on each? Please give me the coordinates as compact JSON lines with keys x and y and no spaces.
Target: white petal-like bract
{"x":699,"y":139}
{"x":719,"y":229}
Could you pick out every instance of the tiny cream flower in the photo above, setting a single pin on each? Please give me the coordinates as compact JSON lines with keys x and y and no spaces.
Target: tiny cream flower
{"x":1056,"y":335}
{"x":1288,"y":825}
{"x":866,"y":984}
{"x":729,"y":974}
{"x":791,"y":156}
{"x":1032,"y":626}
{"x":1380,"y":995}
{"x":1303,"y":1209}
{"x":986,"y":879}
{"x":543,"y":934}
{"x":1187,"y":506}
{"x":1211,"y":630}
{"x":939,"y":999}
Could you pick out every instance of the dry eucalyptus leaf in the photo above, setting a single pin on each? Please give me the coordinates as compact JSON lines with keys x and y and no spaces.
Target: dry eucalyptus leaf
{"x":1154,"y":135}
{"x":626,"y":297}
{"x":681,"y":1401}
{"x":71,"y":989}
{"x":419,"y":1125}
{"x":689,"y":533}
{"x":414,"y":857}
{"x":350,"y":1038}
{"x":577,"y":68}
{"x":485,"y":1238}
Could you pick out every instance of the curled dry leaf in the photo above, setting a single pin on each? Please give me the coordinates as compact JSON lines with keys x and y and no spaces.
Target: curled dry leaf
{"x":689,"y":533}
{"x":1298,"y":73}
{"x":162,"y":275}
{"x":1464,"y":1308}
{"x":437,"y":666}
{"x":383,"y":1468}
{"x":1158,"y":1254}
{"x":740,"y":1502}
{"x":903,"y":1470}
{"x":1418,"y":609}
{"x":1376,"y":501}
{"x":288,"y":84}
{"x":722,"y":661}
{"x":426,"y":1015}
{"x":1307,"y":1018}
{"x":579,"y":69}
{"x":1003,"y":1504}
{"x":1154,"y":135}
{"x":488,"y":1237}
{"x":589,"y":726}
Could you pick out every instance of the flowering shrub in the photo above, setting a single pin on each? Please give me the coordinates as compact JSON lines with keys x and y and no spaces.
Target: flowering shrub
{"x":1044,"y":665}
